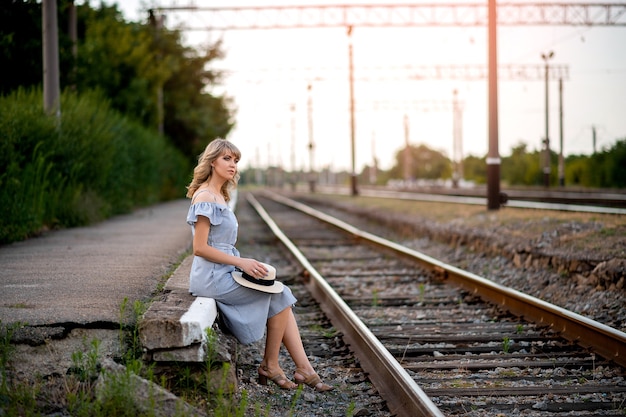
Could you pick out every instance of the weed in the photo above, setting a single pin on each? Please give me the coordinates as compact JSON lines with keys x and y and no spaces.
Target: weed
{"x":212,"y":346}
{"x":506,"y":344}
{"x":115,"y":396}
{"x":328,"y":333}
{"x":519,"y":329}
{"x":15,"y":398}
{"x":406,"y":347}
{"x":129,"y":340}
{"x":350,"y":409}
{"x":166,"y":276}
{"x":593,"y":358}
{"x":458,"y":383}
{"x":294,"y":400}
{"x":19,"y":400}
{"x":6,"y":349}
{"x":422,"y":291}
{"x":375,"y":300}
{"x":507,"y":373}
{"x":608,"y":232}
{"x":18,"y":305}
{"x":85,"y":365}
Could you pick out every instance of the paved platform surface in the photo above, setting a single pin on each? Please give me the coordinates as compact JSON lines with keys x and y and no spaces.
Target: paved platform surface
{"x":82,"y":275}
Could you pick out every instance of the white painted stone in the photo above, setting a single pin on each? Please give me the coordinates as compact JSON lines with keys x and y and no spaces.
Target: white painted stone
{"x":200,"y":316}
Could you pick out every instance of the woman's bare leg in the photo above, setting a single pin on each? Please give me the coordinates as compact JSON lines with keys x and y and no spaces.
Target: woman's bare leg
{"x":276,"y":326}
{"x":283,"y":327}
{"x":304,"y":371}
{"x":293,"y":343}
{"x":270,"y":368}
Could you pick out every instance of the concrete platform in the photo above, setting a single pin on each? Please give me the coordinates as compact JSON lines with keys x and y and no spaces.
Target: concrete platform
{"x":81,"y":277}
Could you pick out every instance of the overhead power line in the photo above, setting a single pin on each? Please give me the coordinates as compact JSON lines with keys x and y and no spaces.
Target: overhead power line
{"x":506,"y":72}
{"x":410,"y":15}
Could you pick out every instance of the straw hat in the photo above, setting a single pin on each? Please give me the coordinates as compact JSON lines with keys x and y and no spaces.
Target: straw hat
{"x":266,"y":284}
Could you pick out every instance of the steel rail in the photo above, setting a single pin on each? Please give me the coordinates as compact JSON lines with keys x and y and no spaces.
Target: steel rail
{"x":607,"y":342}
{"x":472,"y":199}
{"x":403,"y":396}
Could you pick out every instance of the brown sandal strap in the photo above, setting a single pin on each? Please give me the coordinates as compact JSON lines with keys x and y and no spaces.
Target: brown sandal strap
{"x":312,"y":380}
{"x":277,"y":378}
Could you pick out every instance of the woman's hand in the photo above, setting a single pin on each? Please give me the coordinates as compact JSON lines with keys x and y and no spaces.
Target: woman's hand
{"x":253,"y":267}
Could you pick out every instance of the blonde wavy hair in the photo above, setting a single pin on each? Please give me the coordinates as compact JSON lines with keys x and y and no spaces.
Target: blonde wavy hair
{"x":203,"y":171}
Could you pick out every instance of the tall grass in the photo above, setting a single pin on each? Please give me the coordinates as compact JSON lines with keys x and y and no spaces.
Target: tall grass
{"x":89,"y":165}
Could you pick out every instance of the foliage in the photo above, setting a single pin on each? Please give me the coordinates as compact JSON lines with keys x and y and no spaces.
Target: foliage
{"x":21,"y":44}
{"x":521,"y":167}
{"x":119,"y":59}
{"x":91,"y":164}
{"x":421,"y":163}
{"x":609,"y":166}
{"x":193,"y":116}
{"x":475,"y":169}
{"x":605,"y":169}
{"x":578,"y":170}
{"x":132,"y":64}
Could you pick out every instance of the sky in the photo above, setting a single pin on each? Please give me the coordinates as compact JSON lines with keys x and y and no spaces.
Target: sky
{"x":268,"y":73}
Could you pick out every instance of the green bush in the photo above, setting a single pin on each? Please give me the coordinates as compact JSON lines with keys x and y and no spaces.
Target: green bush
{"x":89,"y":165}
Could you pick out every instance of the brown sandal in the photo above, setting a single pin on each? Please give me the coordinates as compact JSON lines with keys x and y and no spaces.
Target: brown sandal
{"x":277,"y":378}
{"x":312,"y":380}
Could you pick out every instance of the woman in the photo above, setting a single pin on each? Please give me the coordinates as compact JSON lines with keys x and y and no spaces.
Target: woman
{"x":246,"y":312}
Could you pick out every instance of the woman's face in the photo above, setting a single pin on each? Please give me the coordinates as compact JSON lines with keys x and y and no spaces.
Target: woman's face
{"x":225,"y":166}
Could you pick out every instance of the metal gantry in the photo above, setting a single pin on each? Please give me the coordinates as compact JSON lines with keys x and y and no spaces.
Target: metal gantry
{"x":403,"y":15}
{"x":489,"y":15}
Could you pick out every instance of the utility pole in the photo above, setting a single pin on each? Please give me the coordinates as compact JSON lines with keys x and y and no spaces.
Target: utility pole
{"x":293,"y":147}
{"x":546,"y":165}
{"x":353,"y":179}
{"x":51,"y":82}
{"x":593,"y":138}
{"x":311,"y":146}
{"x":157,"y":24}
{"x":457,"y":145}
{"x":374,"y":168}
{"x":73,"y":33}
{"x":493,"y":156}
{"x":561,"y":160}
{"x":406,"y":154}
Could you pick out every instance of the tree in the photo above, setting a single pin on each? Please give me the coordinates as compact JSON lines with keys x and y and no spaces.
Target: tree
{"x":131,"y":64}
{"x":425,"y":163}
{"x":608,"y":168}
{"x":119,"y":59}
{"x":21,"y":44}
{"x":135,"y":63}
{"x":475,"y":169}
{"x":194,"y":116}
{"x":521,"y":167}
{"x":577,"y":170}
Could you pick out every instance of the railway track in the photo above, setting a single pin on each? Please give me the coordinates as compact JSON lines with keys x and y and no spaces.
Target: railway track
{"x":432,"y":348}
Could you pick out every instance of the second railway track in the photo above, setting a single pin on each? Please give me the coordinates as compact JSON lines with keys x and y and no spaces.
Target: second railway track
{"x":461,"y":356}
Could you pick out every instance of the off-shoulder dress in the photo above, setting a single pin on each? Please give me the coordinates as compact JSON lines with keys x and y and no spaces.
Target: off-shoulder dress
{"x":243,"y":310}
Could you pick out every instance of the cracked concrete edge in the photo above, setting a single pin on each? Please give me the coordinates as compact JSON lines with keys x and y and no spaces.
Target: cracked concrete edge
{"x":179,"y":320}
